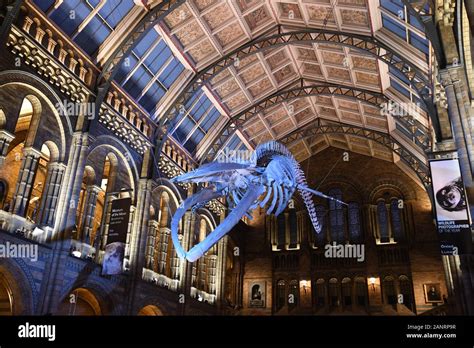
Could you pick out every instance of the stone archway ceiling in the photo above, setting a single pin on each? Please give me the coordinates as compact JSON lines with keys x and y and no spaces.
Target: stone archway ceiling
{"x":197,"y":36}
{"x":208,"y":30}
{"x":324,"y":133}
{"x":353,"y":105}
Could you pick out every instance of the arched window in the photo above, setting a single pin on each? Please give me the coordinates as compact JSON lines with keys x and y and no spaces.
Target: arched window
{"x":355,"y":232}
{"x":21,"y":162}
{"x":336,"y":216}
{"x":333,"y":292}
{"x":389,"y":290}
{"x":361,"y":291}
{"x":346,"y":292}
{"x":294,"y":294}
{"x":280,"y":294}
{"x":396,"y":208}
{"x":406,"y":291}
{"x":320,"y":292}
{"x":383,"y":222}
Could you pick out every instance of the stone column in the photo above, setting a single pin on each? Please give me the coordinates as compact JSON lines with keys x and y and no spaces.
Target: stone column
{"x":138,"y":238}
{"x":139,"y":227}
{"x":87,"y":223}
{"x":150,"y":243}
{"x":462,"y":136}
{"x":71,"y":187}
{"x":186,"y":268}
{"x":24,"y":185}
{"x":5,"y":139}
{"x":63,"y":223}
{"x":221,"y":266}
{"x":103,"y":231}
{"x":463,"y":267}
{"x":50,"y":196}
{"x":160,"y":261}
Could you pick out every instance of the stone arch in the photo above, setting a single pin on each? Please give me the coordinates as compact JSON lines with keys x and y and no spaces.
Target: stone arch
{"x":3,"y":119}
{"x":150,"y":310}
{"x":207,"y":215}
{"x":152,"y":212}
{"x":89,"y":175}
{"x":351,"y":190}
{"x":105,"y":145}
{"x":6,"y":298}
{"x":170,"y":191}
{"x":34,"y":119}
{"x":111,"y":166}
{"x":53,"y":151}
{"x":107,"y":294}
{"x":407,"y":190}
{"x":21,"y":290}
{"x":81,"y":301}
{"x":31,"y":84}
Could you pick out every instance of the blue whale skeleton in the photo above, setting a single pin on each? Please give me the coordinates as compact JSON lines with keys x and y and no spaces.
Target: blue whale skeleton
{"x":272,"y":172}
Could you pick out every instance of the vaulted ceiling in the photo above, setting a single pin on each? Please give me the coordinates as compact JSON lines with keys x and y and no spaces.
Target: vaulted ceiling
{"x":199,"y":34}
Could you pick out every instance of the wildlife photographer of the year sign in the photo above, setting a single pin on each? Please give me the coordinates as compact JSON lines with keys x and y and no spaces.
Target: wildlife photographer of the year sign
{"x":117,"y":236}
{"x":450,"y":200}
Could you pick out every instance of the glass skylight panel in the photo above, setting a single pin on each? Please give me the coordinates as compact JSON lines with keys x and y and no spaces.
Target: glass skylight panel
{"x":211,"y":119}
{"x":398,"y":19}
{"x":394,"y":6}
{"x":72,"y":14}
{"x":152,"y":97}
{"x":234,"y":143}
{"x":394,"y":26}
{"x":171,"y":73}
{"x":197,"y":118}
{"x":44,"y":5}
{"x":149,"y":72}
{"x":138,"y":82}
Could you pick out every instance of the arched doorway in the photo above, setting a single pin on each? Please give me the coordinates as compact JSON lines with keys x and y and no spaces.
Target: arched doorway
{"x":150,"y":310}
{"x":80,"y":302}
{"x":6,"y":298}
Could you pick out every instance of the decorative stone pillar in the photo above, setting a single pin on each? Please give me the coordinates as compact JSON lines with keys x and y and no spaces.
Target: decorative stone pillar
{"x":138,"y":238}
{"x":87,"y":223}
{"x":461,"y":266}
{"x":71,"y":187}
{"x":211,"y":264}
{"x":221,"y":266}
{"x":5,"y":139}
{"x":138,"y":241}
{"x":24,"y":185}
{"x":163,"y":238}
{"x":462,"y":136}
{"x":150,"y":243}
{"x":51,"y":191}
{"x":186,"y":267}
{"x":66,"y":216}
{"x":102,"y":233}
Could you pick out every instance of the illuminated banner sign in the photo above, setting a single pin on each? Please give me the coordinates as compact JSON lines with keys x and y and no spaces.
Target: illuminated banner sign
{"x":451,"y":206}
{"x":117,"y":236}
